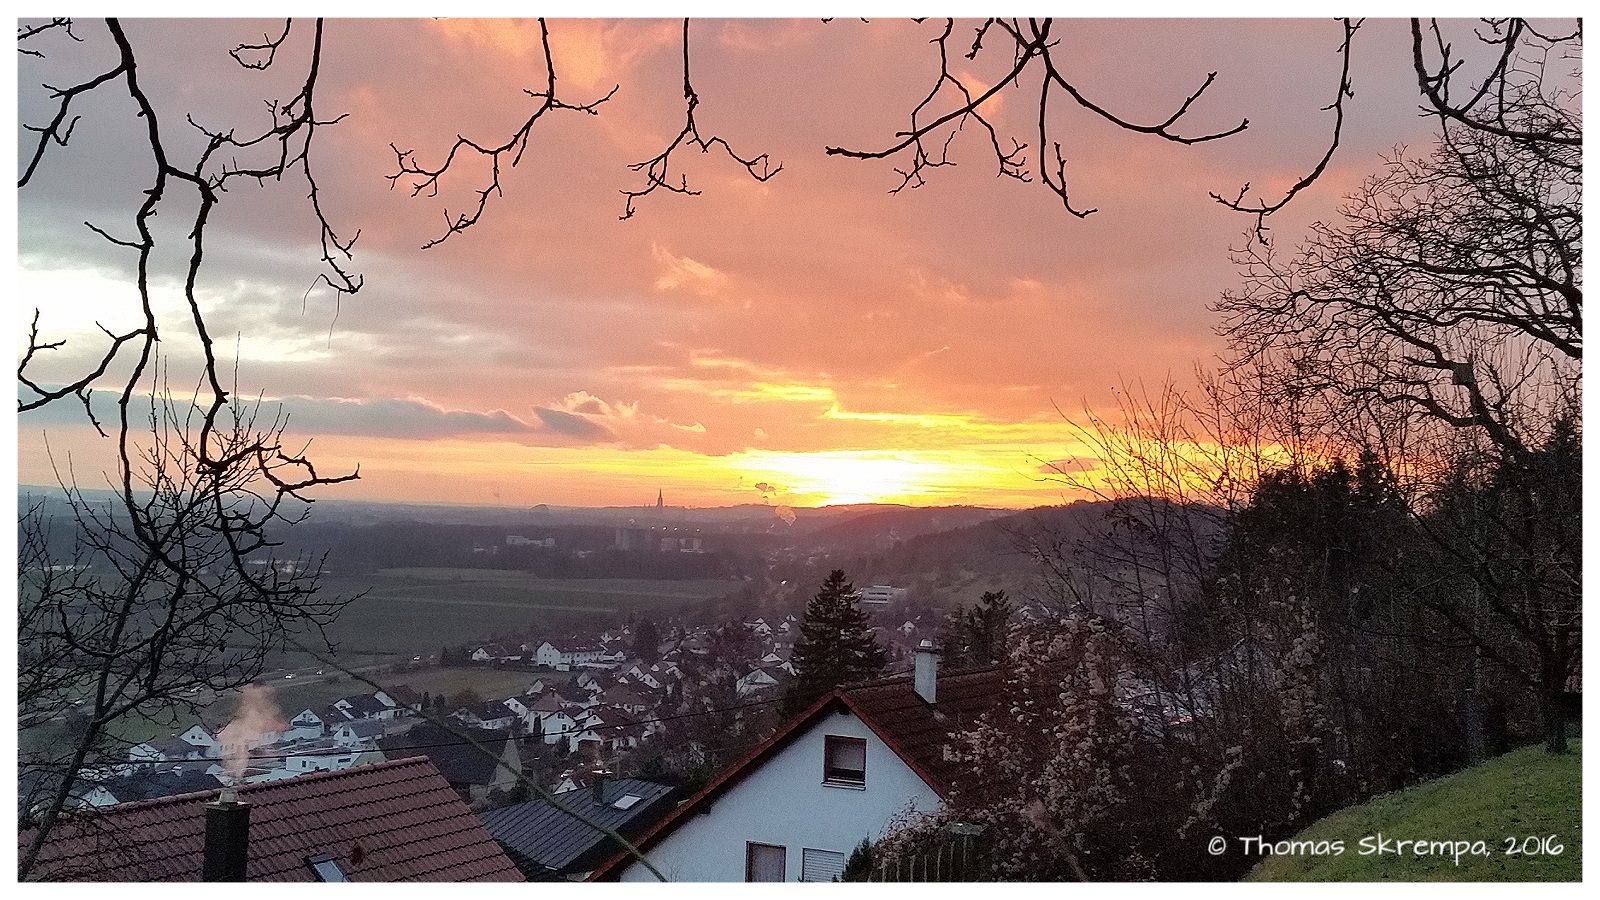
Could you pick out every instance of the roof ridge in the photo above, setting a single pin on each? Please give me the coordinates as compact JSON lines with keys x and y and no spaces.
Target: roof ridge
{"x":899,"y":677}
{"x":257,"y":787}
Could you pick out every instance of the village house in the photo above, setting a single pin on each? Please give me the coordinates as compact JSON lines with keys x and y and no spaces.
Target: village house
{"x":197,"y":735}
{"x":481,"y":763}
{"x":146,"y":783}
{"x":362,"y":733}
{"x":494,"y":653}
{"x":842,"y":771}
{"x":306,"y":725}
{"x":400,"y":698}
{"x":491,"y":715}
{"x":167,"y":749}
{"x":323,"y":755}
{"x":755,"y":681}
{"x":361,"y":706}
{"x":556,"y":720}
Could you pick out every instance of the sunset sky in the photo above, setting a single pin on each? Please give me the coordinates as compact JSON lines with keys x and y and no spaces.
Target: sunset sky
{"x":812,"y":339}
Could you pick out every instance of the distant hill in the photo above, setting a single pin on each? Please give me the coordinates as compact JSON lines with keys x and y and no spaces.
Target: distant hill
{"x":997,"y":543}
{"x":881,"y":529}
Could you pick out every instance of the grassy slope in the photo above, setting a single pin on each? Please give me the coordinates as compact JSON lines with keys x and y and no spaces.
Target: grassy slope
{"x":1524,"y":793}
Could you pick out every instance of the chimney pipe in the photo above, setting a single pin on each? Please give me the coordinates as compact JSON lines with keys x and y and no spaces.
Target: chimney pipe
{"x":600,"y":787}
{"x":925,"y":680}
{"x":227,"y":850}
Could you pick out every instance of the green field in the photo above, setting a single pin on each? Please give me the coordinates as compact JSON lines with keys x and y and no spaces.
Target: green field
{"x":417,"y":611}
{"x":1519,"y":815}
{"x":317,"y":693}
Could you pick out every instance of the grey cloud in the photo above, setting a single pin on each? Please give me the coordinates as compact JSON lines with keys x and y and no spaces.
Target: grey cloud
{"x":572,"y":425}
{"x":383,"y":417}
{"x":395,"y":418}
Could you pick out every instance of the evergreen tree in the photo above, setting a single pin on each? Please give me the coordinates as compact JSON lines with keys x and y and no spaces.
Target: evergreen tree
{"x":976,"y":635}
{"x":835,"y":646}
{"x":646,"y":640}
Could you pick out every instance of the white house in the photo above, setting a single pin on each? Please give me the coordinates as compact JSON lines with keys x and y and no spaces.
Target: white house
{"x":520,"y":710}
{"x":198,"y":736}
{"x":795,"y":808}
{"x":754,"y":681}
{"x":584,"y":656}
{"x":330,"y":755}
{"x":305,"y":726}
{"x":167,"y":749}
{"x":492,"y":653}
{"x":400,"y":699}
{"x":555,"y":722}
{"x":360,"y":733}
{"x":548,"y":654}
{"x":643,"y":676}
{"x":363,"y":706}
{"x":882,"y":593}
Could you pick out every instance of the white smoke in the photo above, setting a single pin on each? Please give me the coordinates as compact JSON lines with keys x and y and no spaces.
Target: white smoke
{"x":257,"y":721}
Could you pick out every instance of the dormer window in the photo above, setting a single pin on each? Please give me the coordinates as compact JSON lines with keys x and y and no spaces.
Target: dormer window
{"x":326,"y":868}
{"x":845,"y":760}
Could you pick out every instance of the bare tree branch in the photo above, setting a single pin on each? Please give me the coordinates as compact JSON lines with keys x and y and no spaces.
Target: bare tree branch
{"x":655,"y":169}
{"x":1261,"y":209}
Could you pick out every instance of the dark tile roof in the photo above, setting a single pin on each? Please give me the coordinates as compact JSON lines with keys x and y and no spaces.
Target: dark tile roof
{"x":457,"y":759}
{"x":165,"y":781}
{"x":363,"y":728}
{"x":173,"y":747}
{"x":407,"y":821}
{"x":544,"y":840}
{"x":365,"y":705}
{"x":916,"y":731}
{"x":404,"y":695}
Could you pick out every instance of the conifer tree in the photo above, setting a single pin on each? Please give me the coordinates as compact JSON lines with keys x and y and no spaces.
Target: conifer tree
{"x":835,"y":645}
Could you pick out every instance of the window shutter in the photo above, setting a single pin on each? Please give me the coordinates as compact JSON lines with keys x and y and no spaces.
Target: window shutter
{"x":820,"y":865}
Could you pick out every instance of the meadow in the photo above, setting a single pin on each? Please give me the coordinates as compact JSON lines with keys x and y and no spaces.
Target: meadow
{"x":410,"y":612}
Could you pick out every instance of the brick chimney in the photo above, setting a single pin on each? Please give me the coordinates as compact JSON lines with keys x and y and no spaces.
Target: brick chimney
{"x":925,"y":679}
{"x":227,"y":851}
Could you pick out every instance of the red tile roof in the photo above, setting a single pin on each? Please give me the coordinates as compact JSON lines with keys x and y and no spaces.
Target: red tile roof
{"x":916,"y":731}
{"x":406,"y":820}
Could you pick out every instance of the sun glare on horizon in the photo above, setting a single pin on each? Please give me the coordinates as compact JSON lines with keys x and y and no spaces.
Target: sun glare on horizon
{"x":832,"y":477}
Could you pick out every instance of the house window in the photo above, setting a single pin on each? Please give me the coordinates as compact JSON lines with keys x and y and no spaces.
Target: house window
{"x":763,"y":862}
{"x":846,"y":760}
{"x":821,"y":865}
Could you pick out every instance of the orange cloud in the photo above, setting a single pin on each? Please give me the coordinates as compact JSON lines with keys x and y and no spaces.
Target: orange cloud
{"x":681,"y":271}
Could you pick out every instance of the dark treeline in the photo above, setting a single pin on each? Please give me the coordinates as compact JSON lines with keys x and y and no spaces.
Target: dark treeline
{"x":578,"y":551}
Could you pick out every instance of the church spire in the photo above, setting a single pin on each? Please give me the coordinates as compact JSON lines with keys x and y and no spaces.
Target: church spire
{"x":660,"y":500}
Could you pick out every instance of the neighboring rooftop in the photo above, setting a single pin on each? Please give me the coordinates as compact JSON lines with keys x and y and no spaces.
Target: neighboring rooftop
{"x":454,"y":755}
{"x":392,"y":821}
{"x":546,"y":842}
